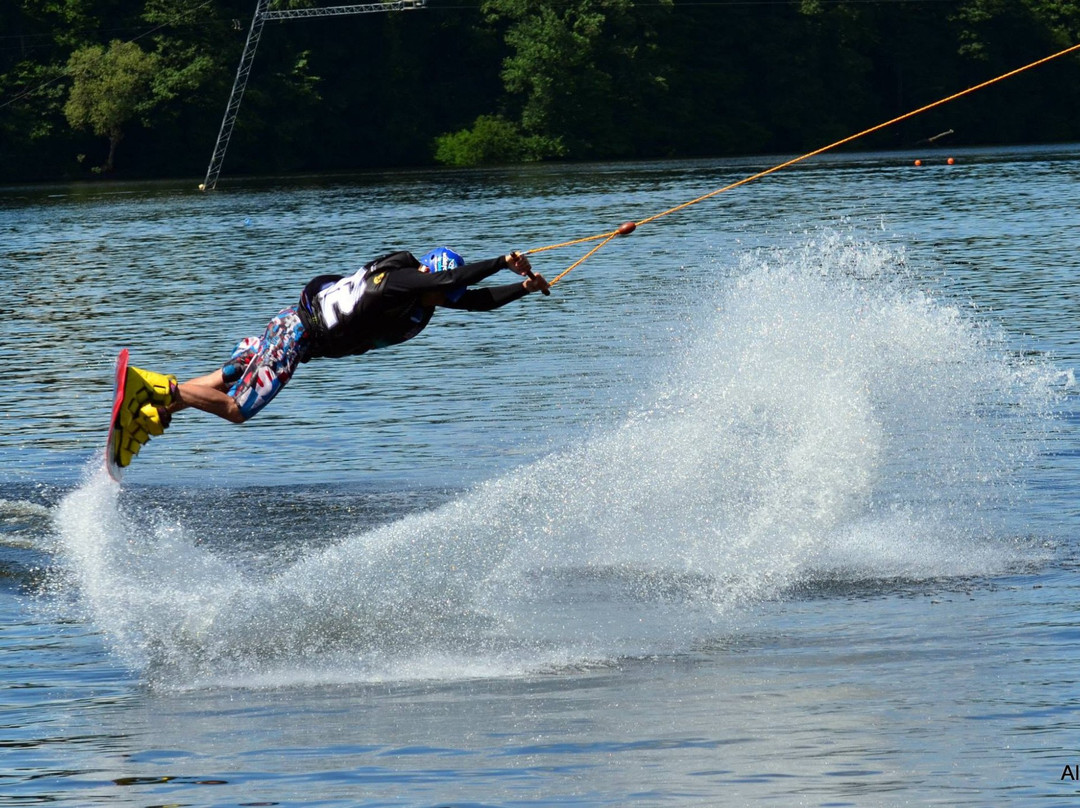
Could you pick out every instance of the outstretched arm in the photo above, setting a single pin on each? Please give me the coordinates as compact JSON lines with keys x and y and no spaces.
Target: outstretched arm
{"x":494,"y":297}
{"x":435,"y":282}
{"x":489,"y":298}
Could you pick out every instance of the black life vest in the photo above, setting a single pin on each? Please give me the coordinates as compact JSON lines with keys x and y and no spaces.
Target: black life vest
{"x":347,"y":315}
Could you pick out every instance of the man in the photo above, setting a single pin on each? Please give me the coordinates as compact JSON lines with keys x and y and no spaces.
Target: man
{"x":388,"y":301}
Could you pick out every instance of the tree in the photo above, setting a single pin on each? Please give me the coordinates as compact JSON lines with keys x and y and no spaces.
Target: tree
{"x":491,"y":140}
{"x":583,"y":69}
{"x":111,"y":88}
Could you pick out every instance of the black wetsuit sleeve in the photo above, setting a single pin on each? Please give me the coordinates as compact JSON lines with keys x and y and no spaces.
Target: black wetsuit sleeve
{"x":489,"y":298}
{"x":445,"y":281}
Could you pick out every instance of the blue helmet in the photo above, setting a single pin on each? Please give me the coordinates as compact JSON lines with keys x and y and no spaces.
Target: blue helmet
{"x":441,"y":259}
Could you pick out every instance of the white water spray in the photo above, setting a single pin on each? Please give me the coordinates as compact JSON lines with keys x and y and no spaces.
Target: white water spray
{"x":829,"y":420}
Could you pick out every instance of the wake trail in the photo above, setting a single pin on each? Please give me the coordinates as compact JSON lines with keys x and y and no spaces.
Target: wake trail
{"x":829,"y":419}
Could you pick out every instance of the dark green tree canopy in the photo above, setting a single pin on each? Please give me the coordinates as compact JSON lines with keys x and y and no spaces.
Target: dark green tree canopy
{"x":513,"y":80}
{"x":110,"y":88}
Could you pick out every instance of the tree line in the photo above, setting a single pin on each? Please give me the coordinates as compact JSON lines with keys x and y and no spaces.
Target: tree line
{"x":137,"y":88}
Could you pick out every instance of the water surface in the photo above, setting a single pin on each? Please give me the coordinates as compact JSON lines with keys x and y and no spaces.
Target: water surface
{"x":772,"y":501}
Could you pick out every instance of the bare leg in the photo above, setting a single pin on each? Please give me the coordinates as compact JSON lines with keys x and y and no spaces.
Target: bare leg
{"x":207,"y":393}
{"x":215,"y":380}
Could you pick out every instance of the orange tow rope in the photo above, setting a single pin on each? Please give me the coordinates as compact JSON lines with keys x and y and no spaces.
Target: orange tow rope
{"x":628,"y":227}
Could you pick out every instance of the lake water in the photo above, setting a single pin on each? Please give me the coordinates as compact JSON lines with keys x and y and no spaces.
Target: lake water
{"x":770,"y":502}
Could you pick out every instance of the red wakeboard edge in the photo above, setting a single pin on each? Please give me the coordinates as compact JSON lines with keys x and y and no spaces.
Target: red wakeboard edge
{"x":112,"y":464}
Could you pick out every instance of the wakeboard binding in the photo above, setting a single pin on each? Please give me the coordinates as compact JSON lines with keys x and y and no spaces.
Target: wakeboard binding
{"x":142,"y":412}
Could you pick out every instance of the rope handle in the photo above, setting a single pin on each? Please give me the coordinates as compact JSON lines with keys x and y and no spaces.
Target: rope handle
{"x":624,"y":229}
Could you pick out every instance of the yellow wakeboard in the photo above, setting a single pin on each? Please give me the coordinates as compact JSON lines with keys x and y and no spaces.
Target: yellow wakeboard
{"x":137,"y":396}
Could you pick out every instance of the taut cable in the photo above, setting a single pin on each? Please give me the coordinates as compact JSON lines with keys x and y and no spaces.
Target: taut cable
{"x":629,"y":227}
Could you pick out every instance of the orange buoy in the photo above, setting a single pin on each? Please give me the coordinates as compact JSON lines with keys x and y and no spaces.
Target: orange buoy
{"x":626,"y":228}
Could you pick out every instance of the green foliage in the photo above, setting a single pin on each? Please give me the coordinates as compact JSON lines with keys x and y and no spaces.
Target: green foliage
{"x":111,"y":87}
{"x":40,"y":99}
{"x":576,"y":63}
{"x":991,"y":25}
{"x":181,"y":70}
{"x":71,"y":22}
{"x":519,"y":80}
{"x":493,"y":140}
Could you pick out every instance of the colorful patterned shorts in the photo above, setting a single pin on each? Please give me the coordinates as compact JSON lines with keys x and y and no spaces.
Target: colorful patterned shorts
{"x":260,"y":366}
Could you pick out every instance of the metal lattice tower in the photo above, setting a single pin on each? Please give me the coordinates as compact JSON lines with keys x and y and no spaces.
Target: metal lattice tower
{"x":247,"y":58}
